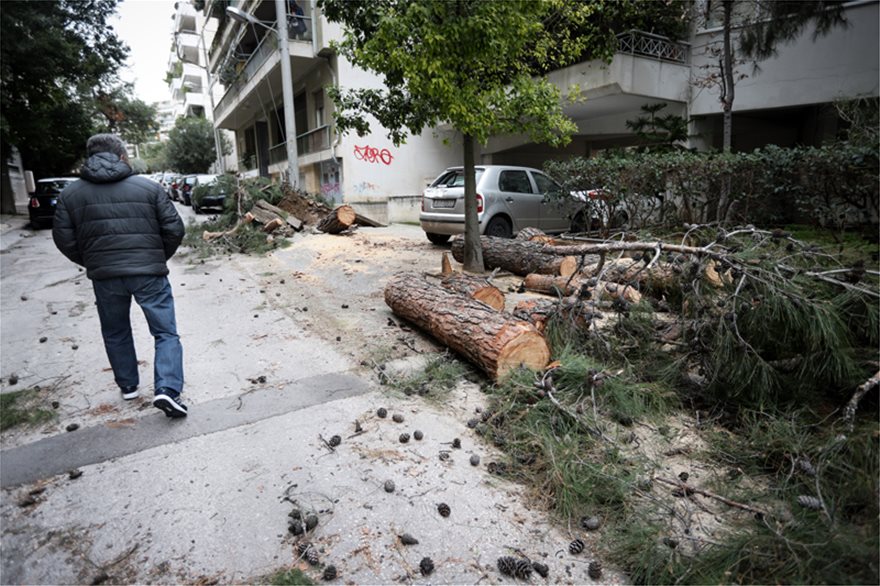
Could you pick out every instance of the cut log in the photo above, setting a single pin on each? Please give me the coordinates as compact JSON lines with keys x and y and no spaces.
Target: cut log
{"x":339,"y":220}
{"x":476,"y":288}
{"x":539,"y":312}
{"x":658,"y":278}
{"x":368,"y":222}
{"x":494,"y":341}
{"x":565,"y":286}
{"x":519,"y":257}
{"x":272,"y":225}
{"x":264,"y":206}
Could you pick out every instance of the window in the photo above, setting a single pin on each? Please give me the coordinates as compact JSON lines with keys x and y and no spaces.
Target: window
{"x":545,"y":184}
{"x":515,"y":182}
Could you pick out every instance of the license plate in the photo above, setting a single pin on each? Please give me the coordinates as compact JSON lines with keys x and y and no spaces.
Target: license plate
{"x":444,"y":203}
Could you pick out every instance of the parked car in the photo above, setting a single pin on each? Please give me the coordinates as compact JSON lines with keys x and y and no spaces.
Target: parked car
{"x":190,"y":182}
{"x":205,"y":193}
{"x":509,"y":198}
{"x":42,"y":202}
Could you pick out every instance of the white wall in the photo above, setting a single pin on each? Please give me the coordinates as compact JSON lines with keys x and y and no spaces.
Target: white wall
{"x":844,"y":63}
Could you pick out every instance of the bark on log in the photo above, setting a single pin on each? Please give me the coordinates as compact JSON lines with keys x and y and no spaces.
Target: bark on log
{"x":538,"y":312}
{"x":519,"y":257}
{"x":338,"y":220}
{"x":273,"y":225}
{"x":633,"y":272}
{"x":288,"y":218}
{"x":493,"y":340}
{"x":368,"y":222}
{"x":565,"y":286}
{"x":476,"y":288}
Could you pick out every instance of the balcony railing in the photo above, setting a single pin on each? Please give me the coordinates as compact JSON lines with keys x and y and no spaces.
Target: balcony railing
{"x":653,"y":46}
{"x":235,"y":74}
{"x":312,"y":141}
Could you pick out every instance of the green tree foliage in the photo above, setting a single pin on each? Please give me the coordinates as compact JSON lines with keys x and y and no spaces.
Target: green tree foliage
{"x":133,"y":119}
{"x":190,"y":147}
{"x":466,"y":63}
{"x":53,"y":56}
{"x":658,"y":133}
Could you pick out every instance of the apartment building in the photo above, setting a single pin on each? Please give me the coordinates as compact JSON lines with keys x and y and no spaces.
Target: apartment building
{"x":788,"y":101}
{"x":193,"y":89}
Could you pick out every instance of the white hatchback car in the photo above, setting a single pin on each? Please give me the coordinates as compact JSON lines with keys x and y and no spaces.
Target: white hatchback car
{"x":508,"y":199}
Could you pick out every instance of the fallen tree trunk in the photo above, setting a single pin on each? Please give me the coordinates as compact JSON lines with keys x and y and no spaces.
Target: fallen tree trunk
{"x":539,"y":312}
{"x":476,"y":288}
{"x":632,"y":272}
{"x":565,"y":286}
{"x":247,"y":219}
{"x":286,"y":217}
{"x":494,"y":341}
{"x":368,"y":222}
{"x":519,"y":257}
{"x":339,"y":220}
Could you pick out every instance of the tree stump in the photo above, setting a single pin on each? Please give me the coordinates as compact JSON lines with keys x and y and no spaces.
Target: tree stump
{"x":494,"y":341}
{"x":476,"y":288}
{"x":339,"y":220}
{"x":519,"y":257}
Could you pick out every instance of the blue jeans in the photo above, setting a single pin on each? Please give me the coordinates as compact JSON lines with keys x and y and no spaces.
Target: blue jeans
{"x":153,"y":294}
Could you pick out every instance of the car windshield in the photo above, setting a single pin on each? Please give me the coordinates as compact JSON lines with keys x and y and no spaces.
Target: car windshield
{"x":50,"y":187}
{"x":455,"y":178}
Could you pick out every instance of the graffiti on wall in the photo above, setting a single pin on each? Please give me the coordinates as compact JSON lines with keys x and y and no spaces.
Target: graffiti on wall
{"x":365,"y":188}
{"x":373,"y":155}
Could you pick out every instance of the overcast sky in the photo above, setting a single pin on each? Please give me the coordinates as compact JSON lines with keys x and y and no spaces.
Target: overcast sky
{"x":145,"y":26}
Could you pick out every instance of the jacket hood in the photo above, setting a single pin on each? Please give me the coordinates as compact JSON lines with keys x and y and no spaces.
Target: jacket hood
{"x":104,"y":168}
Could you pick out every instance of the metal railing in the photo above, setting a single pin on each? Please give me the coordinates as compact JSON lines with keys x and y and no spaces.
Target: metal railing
{"x":653,"y":46}
{"x":312,"y":141}
{"x":265,"y":49}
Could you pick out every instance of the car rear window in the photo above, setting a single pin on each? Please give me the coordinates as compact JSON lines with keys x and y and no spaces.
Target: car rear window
{"x":455,"y":178}
{"x":50,"y":187}
{"x":514,"y":181}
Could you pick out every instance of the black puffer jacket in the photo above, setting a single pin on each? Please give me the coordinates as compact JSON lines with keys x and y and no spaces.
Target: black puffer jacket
{"x":116,"y":224}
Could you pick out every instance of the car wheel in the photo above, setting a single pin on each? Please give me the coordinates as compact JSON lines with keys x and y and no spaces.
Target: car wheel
{"x":437,"y":238}
{"x":580,"y":222}
{"x":499,"y":228}
{"x":196,"y":208}
{"x":620,"y":219}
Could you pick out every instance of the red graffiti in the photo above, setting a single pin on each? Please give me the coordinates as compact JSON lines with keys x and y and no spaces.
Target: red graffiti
{"x":373,"y":155}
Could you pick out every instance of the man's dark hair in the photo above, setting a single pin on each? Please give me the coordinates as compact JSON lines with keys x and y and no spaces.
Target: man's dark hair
{"x":106,"y":143}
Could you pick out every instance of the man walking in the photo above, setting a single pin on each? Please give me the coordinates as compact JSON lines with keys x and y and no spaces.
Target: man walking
{"x":123,"y":228}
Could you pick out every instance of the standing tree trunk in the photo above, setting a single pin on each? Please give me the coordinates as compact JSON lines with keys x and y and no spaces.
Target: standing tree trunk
{"x":7,"y":195}
{"x":473,"y":250}
{"x":727,"y":95}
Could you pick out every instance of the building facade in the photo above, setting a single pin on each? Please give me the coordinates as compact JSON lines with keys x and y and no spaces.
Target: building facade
{"x":789,"y":101}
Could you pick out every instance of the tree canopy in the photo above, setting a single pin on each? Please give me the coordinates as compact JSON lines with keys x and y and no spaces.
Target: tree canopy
{"x":190,"y":147}
{"x":469,"y":64}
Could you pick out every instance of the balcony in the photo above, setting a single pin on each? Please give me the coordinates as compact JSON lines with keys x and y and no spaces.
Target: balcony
{"x":312,"y":141}
{"x":185,"y":18}
{"x":188,"y":47}
{"x":194,"y":103}
{"x":638,"y":43}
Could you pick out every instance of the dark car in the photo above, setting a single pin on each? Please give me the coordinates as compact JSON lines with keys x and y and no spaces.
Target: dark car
{"x":208,"y":193}
{"x":41,"y":205}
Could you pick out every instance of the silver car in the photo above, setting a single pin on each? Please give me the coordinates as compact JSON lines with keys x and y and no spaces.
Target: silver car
{"x":508,"y":199}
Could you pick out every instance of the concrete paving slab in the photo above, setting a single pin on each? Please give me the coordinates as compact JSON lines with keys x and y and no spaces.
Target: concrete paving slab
{"x":214,"y":508}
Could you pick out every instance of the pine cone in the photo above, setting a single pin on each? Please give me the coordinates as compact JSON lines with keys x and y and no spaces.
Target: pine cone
{"x":594,"y":570}
{"x":576,"y":547}
{"x":397,"y":418}
{"x":382,"y":412}
{"x":408,"y":539}
{"x":541,"y":569}
{"x":426,"y":566}
{"x":443,"y":509}
{"x":302,"y":547}
{"x":809,"y":502}
{"x":311,"y":522}
{"x":418,"y":435}
{"x":389,"y":486}
{"x":335,"y":441}
{"x":404,"y":438}
{"x":506,"y":565}
{"x":329,"y":573}
{"x":523,"y":569}
{"x":456,"y":443}
{"x":312,"y":556}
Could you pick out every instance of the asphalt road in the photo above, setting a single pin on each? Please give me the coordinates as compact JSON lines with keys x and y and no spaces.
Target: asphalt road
{"x":206,"y":499}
